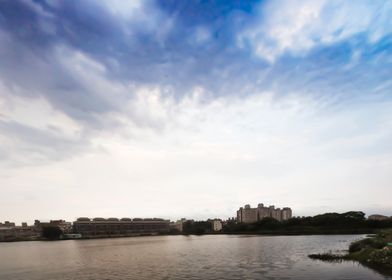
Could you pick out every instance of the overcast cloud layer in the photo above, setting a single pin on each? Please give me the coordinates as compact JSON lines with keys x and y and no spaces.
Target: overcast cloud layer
{"x":191,"y":109}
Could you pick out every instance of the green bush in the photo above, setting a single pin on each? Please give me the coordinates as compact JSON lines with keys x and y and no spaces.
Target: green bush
{"x":374,"y":243}
{"x":357,"y":246}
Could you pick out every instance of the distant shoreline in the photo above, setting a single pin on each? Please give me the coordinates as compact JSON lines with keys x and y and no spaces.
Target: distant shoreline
{"x":264,"y":233}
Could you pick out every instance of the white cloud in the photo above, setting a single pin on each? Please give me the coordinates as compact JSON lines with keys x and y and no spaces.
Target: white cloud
{"x":70,"y":130}
{"x":134,"y":14}
{"x":124,"y":8}
{"x":298,"y":26}
{"x":201,"y":35}
{"x":202,"y":157}
{"x":36,"y":113}
{"x":206,"y":158}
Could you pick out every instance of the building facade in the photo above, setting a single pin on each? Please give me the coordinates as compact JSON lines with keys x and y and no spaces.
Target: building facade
{"x":178,"y":225}
{"x":378,"y":217}
{"x":216,"y":225}
{"x":247,"y":214}
{"x":100,"y":227}
{"x":64,"y":226}
{"x":286,"y":213}
{"x":251,"y":215}
{"x":10,"y":232}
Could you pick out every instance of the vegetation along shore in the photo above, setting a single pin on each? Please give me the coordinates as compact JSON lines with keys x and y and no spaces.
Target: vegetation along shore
{"x":353,"y":222}
{"x":374,"y":251}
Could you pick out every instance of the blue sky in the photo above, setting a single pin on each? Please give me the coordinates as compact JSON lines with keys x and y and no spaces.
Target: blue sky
{"x":194,"y":108}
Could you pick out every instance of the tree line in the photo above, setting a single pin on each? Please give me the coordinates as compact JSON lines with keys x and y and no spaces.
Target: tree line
{"x":328,"y":223}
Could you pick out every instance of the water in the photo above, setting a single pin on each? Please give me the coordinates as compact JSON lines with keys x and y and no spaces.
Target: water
{"x":180,"y":257}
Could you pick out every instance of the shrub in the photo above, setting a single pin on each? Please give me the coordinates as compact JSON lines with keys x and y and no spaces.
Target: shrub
{"x":366,"y":243}
{"x":51,"y":232}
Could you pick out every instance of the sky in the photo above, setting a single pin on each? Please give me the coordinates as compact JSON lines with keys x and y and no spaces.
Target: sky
{"x":174,"y":109}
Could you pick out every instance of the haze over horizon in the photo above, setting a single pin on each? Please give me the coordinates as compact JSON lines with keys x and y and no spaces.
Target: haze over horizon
{"x":194,"y":108}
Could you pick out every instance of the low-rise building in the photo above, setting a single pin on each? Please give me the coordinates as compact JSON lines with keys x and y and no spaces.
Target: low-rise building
{"x":7,"y":224}
{"x":10,"y":232}
{"x":216,"y":225}
{"x":64,"y":226}
{"x":377,"y":217}
{"x":100,"y":227}
{"x":178,"y":225}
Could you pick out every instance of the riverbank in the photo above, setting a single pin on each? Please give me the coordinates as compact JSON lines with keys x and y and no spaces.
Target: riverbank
{"x":293,"y":232}
{"x":62,"y":238}
{"x":353,"y":222}
{"x":374,"y":251}
{"x":308,"y":231}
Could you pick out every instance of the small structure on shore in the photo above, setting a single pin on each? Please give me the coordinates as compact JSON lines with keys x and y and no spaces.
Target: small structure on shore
{"x":71,"y":236}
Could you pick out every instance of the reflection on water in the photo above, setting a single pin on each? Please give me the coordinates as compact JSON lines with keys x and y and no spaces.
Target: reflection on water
{"x":180,"y":257}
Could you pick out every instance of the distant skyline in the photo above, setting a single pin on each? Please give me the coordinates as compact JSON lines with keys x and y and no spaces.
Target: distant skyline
{"x":194,"y":108}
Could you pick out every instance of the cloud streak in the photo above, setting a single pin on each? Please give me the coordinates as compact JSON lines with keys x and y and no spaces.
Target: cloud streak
{"x":297,"y":27}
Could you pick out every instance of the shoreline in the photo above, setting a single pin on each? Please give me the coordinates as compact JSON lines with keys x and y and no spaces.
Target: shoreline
{"x":373,"y":251}
{"x":266,"y":233}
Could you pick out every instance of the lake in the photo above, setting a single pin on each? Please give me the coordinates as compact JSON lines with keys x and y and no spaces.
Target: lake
{"x":181,"y":257}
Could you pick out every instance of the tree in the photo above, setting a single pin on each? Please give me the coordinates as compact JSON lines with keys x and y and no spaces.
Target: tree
{"x":51,"y":232}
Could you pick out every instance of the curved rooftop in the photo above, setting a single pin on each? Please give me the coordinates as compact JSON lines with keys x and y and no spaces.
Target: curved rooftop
{"x":83,"y":219}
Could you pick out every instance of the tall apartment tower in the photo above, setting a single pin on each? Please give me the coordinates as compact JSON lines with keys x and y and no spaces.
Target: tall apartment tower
{"x":286,"y":213}
{"x":247,"y":215}
{"x":251,"y":215}
{"x":263,"y":212}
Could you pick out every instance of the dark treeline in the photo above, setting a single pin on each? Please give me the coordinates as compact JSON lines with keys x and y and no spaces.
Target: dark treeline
{"x":328,"y":223}
{"x":51,"y":232}
{"x":199,"y":227}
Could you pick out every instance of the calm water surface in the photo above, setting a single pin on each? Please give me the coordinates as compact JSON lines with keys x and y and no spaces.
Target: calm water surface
{"x":180,"y":257}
